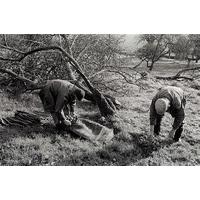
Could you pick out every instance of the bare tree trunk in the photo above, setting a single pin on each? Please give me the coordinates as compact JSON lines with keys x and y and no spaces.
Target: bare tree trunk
{"x":70,"y":72}
{"x":150,"y":66}
{"x":188,"y":64}
{"x":105,"y":106}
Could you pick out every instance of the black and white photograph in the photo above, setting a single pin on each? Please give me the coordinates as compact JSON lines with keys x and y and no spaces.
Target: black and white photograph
{"x":100,"y":99}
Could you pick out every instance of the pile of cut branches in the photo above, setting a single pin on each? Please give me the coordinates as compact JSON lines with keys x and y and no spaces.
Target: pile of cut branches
{"x":20,"y":119}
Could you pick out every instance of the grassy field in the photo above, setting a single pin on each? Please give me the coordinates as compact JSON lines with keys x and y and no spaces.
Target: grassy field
{"x":132,"y":145}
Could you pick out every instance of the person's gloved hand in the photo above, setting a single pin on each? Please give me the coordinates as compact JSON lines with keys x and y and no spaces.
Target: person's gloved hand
{"x":74,"y":117}
{"x":73,"y":114}
{"x":66,"y":122}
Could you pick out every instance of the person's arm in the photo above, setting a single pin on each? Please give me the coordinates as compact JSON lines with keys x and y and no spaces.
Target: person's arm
{"x":179,"y":118}
{"x":152,"y":116}
{"x":41,"y":95}
{"x":72,"y":104}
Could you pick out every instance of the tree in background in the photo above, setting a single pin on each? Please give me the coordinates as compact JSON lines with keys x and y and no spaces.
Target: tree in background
{"x":154,"y":47}
{"x":182,"y":47}
{"x":186,"y":47}
{"x":195,"y":46}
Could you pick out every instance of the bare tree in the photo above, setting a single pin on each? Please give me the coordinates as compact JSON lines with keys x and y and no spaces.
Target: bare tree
{"x":154,"y":47}
{"x":194,"y":40}
{"x":33,"y":59}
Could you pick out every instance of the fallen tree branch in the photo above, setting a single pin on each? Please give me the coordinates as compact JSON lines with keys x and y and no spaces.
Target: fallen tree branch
{"x":13,"y":74}
{"x":33,"y":41}
{"x":174,"y":78}
{"x":136,"y":66}
{"x":178,"y":75}
{"x":109,"y":67}
{"x":11,"y":48}
{"x":106,"y":107}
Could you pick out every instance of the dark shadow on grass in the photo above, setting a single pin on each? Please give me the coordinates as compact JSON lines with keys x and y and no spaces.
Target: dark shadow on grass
{"x":140,"y":146}
{"x":26,"y":153}
{"x":122,"y":150}
{"x":148,"y":143}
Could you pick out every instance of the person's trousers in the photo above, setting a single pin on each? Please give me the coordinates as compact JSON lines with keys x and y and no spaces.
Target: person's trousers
{"x":57,"y":120}
{"x":177,"y":134}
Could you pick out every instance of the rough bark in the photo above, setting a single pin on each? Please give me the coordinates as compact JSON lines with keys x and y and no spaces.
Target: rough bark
{"x":105,"y":106}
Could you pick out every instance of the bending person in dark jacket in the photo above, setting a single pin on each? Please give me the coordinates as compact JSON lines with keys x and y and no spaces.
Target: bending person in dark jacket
{"x":57,"y":95}
{"x":172,"y":100}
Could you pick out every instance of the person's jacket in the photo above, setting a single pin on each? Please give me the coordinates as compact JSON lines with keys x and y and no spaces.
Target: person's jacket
{"x":56,"y":94}
{"x":177,"y":101}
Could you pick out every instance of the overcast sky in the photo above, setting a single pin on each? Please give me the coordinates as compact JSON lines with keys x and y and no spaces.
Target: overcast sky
{"x":131,"y":41}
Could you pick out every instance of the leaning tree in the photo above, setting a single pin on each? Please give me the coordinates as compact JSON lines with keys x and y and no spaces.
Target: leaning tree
{"x":34,"y":59}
